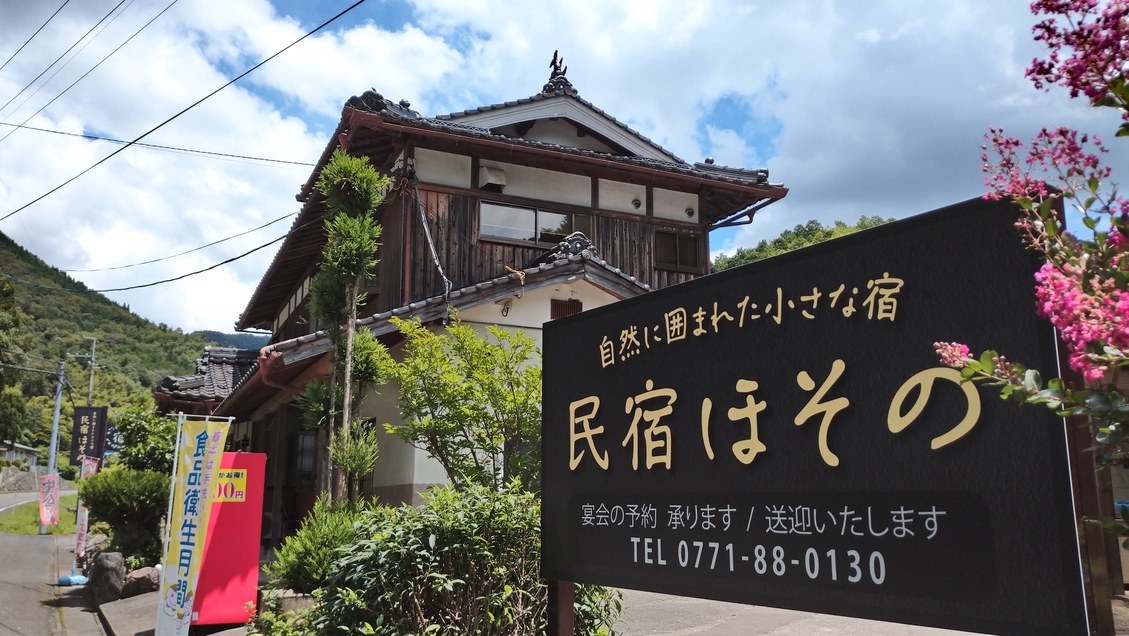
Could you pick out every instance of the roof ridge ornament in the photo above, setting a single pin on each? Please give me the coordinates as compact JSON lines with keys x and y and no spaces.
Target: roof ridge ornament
{"x":558,"y":84}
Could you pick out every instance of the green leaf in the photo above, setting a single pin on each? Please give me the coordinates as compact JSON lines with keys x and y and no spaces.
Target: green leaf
{"x":1098,"y":401}
{"x":986,"y":361}
{"x":967,"y":373}
{"x":1123,"y":130}
{"x":1032,"y":380}
{"x":1089,"y":222}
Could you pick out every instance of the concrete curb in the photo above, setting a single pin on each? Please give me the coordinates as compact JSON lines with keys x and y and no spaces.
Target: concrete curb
{"x":133,"y":616}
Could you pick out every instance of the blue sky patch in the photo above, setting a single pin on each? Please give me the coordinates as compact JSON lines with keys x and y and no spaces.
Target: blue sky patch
{"x":390,"y":15}
{"x":736,"y":112}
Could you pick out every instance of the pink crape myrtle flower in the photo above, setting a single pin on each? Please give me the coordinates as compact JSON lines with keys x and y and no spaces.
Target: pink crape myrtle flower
{"x":952,"y":354}
{"x":1089,"y":47}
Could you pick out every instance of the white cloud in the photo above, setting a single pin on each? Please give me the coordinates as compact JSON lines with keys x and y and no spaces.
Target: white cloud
{"x":876,"y":108}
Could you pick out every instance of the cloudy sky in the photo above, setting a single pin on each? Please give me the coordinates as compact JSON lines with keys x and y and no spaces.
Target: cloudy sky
{"x":859,"y":108}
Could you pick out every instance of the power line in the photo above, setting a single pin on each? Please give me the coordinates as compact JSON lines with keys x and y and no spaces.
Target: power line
{"x":29,"y":85}
{"x":33,"y":35}
{"x":190,"y":107}
{"x":156,"y":146}
{"x":167,"y":280}
{"x":64,"y":91}
{"x":65,"y":64}
{"x":195,"y":249}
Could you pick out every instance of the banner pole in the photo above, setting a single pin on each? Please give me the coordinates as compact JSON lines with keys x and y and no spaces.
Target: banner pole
{"x":180,"y":417}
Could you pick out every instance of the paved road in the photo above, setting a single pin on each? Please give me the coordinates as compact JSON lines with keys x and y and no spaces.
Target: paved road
{"x":652,"y":614}
{"x":12,"y":499}
{"x":31,"y":601}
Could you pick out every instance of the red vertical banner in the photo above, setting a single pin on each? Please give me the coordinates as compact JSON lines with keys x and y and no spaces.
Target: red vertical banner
{"x":49,"y":500}
{"x":89,"y":467}
{"x":229,"y":574}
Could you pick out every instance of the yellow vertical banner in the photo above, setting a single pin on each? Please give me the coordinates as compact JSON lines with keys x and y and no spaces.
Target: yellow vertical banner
{"x":199,"y":449}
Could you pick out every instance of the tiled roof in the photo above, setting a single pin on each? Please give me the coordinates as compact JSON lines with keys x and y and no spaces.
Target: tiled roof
{"x":559,"y":91}
{"x":401,"y":113}
{"x":218,"y":372}
{"x":435,"y":307}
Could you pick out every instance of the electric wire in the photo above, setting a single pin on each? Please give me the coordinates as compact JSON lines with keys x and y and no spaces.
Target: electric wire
{"x":185,"y":110}
{"x":167,"y":280}
{"x":32,"y":82}
{"x":72,"y":85}
{"x":157,"y":146}
{"x":63,"y":66}
{"x":27,"y":355}
{"x":195,"y":249}
{"x":13,"y":56}
{"x":16,"y":366}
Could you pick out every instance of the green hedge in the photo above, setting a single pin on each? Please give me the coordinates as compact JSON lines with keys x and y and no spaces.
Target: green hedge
{"x":465,"y":562}
{"x":132,"y":503}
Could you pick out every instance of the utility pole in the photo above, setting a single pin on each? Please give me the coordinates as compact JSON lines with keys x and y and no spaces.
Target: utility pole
{"x":55,"y":427}
{"x":90,"y":391}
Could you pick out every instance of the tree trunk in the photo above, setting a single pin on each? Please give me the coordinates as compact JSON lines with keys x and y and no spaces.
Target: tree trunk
{"x":347,"y":381}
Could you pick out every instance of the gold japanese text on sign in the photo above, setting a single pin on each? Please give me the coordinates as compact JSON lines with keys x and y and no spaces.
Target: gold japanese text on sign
{"x":655,"y":403}
{"x":680,"y":323}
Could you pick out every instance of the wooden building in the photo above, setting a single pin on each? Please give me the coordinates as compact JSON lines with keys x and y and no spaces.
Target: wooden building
{"x":514,"y":214}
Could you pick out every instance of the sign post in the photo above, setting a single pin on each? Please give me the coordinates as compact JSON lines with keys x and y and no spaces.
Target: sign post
{"x":782,"y":434}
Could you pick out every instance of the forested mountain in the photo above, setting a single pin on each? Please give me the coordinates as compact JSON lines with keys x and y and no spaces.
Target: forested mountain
{"x":45,"y":324}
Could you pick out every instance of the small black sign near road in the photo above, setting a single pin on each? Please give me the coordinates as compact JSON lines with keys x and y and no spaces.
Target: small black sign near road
{"x":782,"y":434}
{"x":88,"y":436}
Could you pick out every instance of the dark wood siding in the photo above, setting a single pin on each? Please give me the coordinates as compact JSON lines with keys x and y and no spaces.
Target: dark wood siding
{"x":453,"y":222}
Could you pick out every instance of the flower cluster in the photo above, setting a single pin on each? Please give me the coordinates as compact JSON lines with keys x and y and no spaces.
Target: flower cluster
{"x":952,"y":354}
{"x":1082,"y":288}
{"x":1090,"y":321}
{"x":1089,"y":48}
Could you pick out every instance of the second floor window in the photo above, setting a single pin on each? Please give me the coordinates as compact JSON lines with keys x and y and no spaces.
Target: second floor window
{"x":674,"y":250}
{"x":531,"y":224}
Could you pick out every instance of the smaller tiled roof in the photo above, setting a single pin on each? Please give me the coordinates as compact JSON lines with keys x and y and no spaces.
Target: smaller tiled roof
{"x":218,"y":372}
{"x":563,"y":267}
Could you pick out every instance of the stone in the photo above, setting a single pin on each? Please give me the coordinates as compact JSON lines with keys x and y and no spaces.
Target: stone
{"x":107,"y":577}
{"x":141,"y":582}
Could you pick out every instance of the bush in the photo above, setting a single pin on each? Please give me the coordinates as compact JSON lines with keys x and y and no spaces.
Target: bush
{"x":132,"y":503}
{"x":305,"y":560}
{"x":271,"y":620}
{"x":462,"y":563}
{"x":67,"y":472}
{"x":17,"y":463}
{"x":4,"y":463}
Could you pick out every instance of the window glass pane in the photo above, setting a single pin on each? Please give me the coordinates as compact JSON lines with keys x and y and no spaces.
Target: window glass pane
{"x":507,"y":222}
{"x":553,"y":227}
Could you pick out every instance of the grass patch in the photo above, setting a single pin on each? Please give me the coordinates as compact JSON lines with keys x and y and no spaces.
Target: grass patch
{"x":25,"y":519}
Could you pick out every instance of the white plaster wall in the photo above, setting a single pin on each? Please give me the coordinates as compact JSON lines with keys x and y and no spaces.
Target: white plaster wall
{"x":617,"y":196}
{"x":442,"y":168}
{"x":672,"y":205}
{"x":562,"y":133}
{"x":396,"y":463}
{"x":533,"y":308}
{"x":428,"y":469}
{"x":545,"y":185}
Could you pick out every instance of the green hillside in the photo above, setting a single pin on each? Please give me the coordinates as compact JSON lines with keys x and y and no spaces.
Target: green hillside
{"x":133,"y":354}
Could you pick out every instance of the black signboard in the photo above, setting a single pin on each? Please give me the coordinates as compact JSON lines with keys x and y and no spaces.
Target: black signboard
{"x":783,"y":434}
{"x":89,"y":433}
{"x":113,"y":439}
